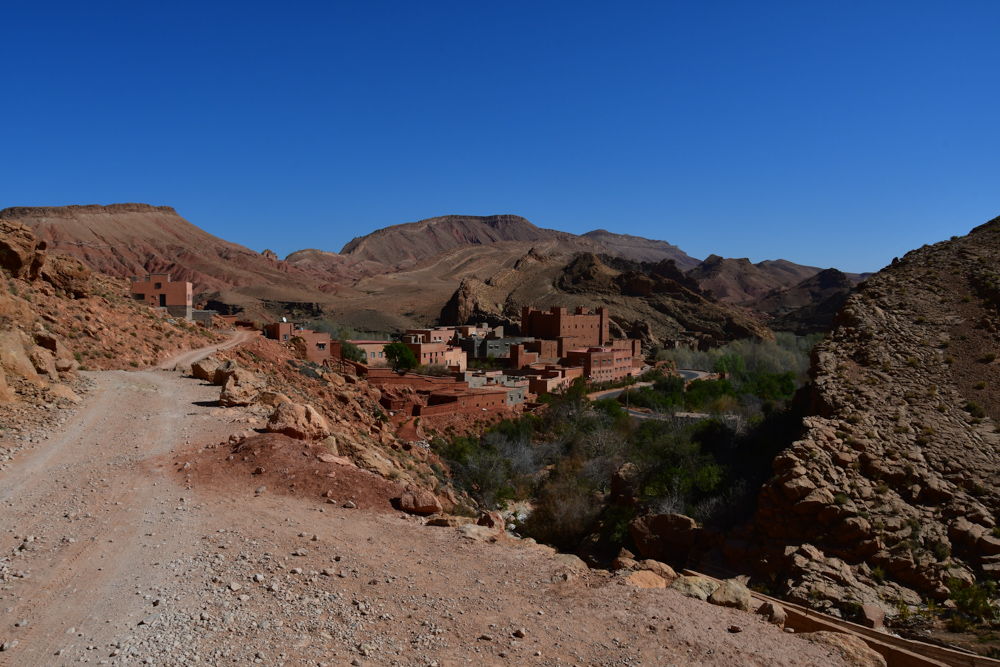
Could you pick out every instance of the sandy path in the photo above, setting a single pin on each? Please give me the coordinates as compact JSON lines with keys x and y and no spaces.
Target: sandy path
{"x":99,"y":532}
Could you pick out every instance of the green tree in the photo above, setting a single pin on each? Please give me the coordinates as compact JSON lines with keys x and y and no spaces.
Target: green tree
{"x":352,"y":352}
{"x":400,"y":357}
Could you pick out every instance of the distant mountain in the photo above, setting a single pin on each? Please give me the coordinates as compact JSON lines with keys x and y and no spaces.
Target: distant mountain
{"x":403,"y":246}
{"x":814,"y":289}
{"x":132,"y":239}
{"x":808,"y":307}
{"x":738,"y":281}
{"x":644,"y":302}
{"x":393,"y":278}
{"x":643,"y":250}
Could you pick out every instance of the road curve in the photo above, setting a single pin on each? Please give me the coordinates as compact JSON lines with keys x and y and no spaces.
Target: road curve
{"x":188,"y":358}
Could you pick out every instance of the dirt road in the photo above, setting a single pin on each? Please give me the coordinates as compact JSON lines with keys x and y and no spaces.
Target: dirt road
{"x":108,"y":557}
{"x":188,"y":358}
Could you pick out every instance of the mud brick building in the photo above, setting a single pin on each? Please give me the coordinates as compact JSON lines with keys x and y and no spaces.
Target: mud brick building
{"x":157,"y":291}
{"x":578,"y":329}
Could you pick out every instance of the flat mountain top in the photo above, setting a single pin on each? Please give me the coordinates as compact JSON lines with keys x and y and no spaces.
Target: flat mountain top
{"x":643,"y":250}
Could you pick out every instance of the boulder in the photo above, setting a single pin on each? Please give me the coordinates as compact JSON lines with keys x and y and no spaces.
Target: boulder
{"x":272,"y":398}
{"x":329,"y":442}
{"x":14,"y":356}
{"x":798,"y":487}
{"x":731,"y":593}
{"x":67,"y":274}
{"x":659,"y":569}
{"x":694,"y":587}
{"x":448,"y":521}
{"x":646,"y":579}
{"x":571,"y":561}
{"x":664,"y":537}
{"x":774,"y":613}
{"x":419,"y":501}
{"x":476,"y":533}
{"x":872,"y":616}
{"x":53,"y":343}
{"x":205,"y":369}
{"x":491,"y":520}
{"x":240,"y":388}
{"x":64,"y":392}
{"x":854,"y":651}
{"x":223,"y":371}
{"x":20,"y":252}
{"x":298,"y":421}
{"x":43,"y":362}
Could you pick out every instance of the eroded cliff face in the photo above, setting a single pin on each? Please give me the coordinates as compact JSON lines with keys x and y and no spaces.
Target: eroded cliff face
{"x":893,"y":488}
{"x":640,"y":301}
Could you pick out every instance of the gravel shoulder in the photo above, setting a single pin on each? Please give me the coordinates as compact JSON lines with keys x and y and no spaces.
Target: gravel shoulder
{"x":111,"y":553}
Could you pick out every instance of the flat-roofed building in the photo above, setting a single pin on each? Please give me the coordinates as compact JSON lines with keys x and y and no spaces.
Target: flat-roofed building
{"x":374,"y":350}
{"x":157,"y":291}
{"x":602,"y":364}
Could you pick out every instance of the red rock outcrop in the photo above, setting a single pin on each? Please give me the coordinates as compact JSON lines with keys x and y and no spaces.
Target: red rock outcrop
{"x":894,"y":486}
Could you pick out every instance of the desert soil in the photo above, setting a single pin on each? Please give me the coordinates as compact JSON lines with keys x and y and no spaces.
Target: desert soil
{"x":113,"y":552}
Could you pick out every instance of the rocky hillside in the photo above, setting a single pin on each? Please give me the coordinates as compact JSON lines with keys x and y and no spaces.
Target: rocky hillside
{"x":125,"y":240}
{"x":403,"y":246}
{"x":643,"y":250}
{"x":808,"y":307}
{"x":893,"y":489}
{"x":56,"y":318}
{"x":737,"y":280}
{"x":644,"y":304}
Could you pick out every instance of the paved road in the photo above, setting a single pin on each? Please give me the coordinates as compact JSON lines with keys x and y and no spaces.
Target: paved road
{"x":687,"y":374}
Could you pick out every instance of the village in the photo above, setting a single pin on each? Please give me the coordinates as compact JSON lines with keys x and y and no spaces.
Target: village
{"x":508,"y":371}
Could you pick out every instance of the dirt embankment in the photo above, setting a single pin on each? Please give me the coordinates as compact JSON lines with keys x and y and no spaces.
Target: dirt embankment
{"x":130,"y":536}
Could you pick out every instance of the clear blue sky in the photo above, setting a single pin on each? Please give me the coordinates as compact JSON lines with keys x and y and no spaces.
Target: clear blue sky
{"x":833,"y":134}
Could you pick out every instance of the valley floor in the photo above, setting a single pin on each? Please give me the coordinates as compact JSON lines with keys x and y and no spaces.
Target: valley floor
{"x":109,"y":556}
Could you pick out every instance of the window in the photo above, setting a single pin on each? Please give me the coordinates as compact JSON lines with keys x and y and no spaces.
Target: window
{"x":284,"y":337}
{"x":139,"y":297}
{"x":321,"y":346}
{"x":158,"y":286}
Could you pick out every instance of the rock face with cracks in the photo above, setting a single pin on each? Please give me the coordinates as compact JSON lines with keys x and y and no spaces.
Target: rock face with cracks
{"x":893,"y":488}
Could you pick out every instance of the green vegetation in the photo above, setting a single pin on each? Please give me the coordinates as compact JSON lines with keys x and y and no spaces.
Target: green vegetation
{"x":399,"y":357}
{"x":352,"y":352}
{"x":710,"y":470}
{"x":974,"y":602}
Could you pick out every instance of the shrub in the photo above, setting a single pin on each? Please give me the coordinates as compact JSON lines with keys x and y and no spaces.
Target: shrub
{"x":980,"y":385}
{"x":990,"y":357}
{"x":78,"y":356}
{"x":974,"y":600}
{"x":565,"y":511}
{"x":912,"y":362}
{"x":878,"y":574}
{"x":840,"y":499}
